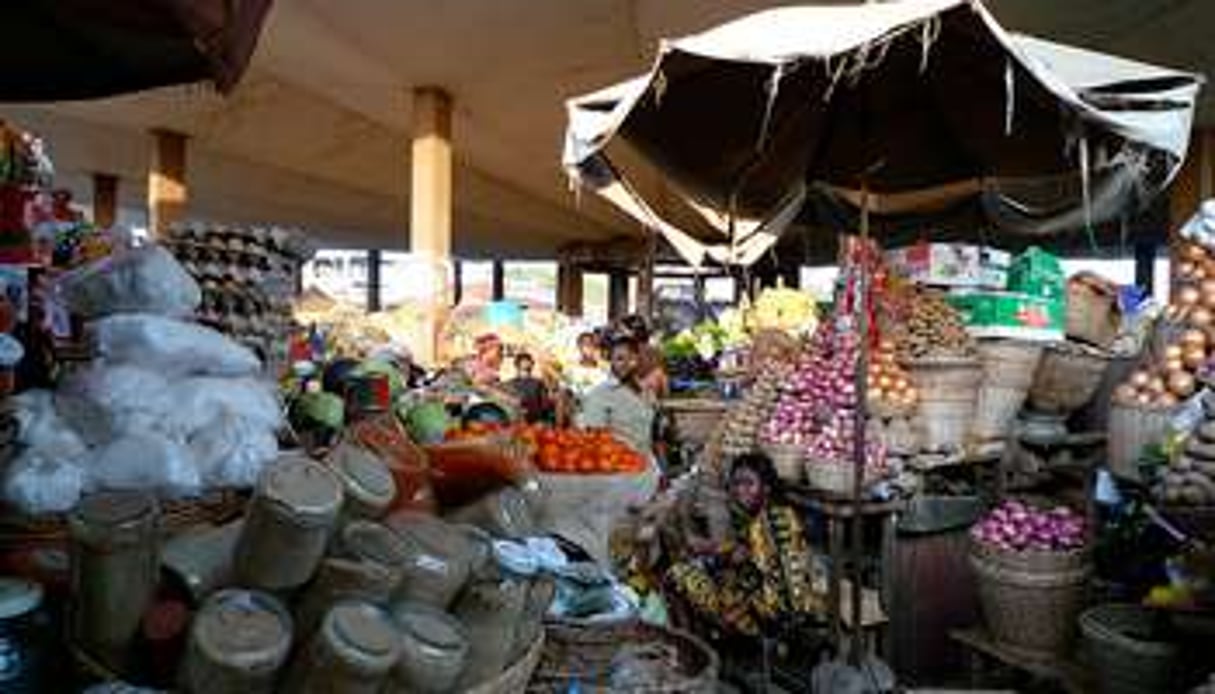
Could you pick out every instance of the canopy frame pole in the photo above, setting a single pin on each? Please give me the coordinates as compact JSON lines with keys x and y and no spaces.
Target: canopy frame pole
{"x":861,"y":383}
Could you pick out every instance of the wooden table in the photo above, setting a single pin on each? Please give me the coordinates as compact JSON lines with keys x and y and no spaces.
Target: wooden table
{"x":1073,"y":677}
{"x":840,"y":513}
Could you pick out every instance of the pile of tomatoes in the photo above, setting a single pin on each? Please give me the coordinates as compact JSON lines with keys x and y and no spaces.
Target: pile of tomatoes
{"x":580,"y":451}
{"x":567,"y":451}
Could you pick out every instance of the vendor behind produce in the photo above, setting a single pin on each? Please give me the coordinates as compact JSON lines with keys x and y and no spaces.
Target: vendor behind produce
{"x":651,"y":372}
{"x":485,"y":368}
{"x":532,"y":392}
{"x":620,"y":403}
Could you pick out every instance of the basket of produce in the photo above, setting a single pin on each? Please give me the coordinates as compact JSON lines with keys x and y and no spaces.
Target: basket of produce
{"x":948,"y":394}
{"x":1067,"y":377}
{"x":1093,"y":315}
{"x":1132,"y":427}
{"x":1189,"y":479}
{"x":837,"y":476}
{"x":633,"y":657}
{"x":1031,"y":570}
{"x":1130,"y":651}
{"x":1008,"y":373}
{"x":788,"y":460}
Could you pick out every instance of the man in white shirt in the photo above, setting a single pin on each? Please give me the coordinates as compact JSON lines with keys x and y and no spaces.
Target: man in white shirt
{"x":619,"y":403}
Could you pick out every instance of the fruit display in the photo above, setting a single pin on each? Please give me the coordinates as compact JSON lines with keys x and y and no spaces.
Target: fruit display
{"x":929,"y":328}
{"x":1194,"y":297}
{"x":890,"y":386}
{"x":791,"y":311}
{"x":565,"y":451}
{"x":742,"y":423}
{"x":1015,"y":526}
{"x":1189,"y":480}
{"x":1174,"y":378}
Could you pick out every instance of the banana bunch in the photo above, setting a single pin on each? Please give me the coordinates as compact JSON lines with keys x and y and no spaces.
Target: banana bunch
{"x":779,"y":308}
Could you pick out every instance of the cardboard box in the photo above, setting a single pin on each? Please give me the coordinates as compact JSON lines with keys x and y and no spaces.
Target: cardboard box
{"x":1010,"y":315}
{"x":951,"y":265}
{"x":1038,"y":273}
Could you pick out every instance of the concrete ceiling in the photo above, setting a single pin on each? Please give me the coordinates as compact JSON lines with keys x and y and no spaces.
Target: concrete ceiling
{"x":317,"y":133}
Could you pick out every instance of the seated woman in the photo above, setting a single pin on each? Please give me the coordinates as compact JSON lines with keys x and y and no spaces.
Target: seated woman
{"x":761,"y":579}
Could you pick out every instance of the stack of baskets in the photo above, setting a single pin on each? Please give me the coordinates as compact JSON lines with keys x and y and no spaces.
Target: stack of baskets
{"x":1031,"y":600}
{"x":949,"y":392}
{"x":1008,"y":373}
{"x":1067,"y":378}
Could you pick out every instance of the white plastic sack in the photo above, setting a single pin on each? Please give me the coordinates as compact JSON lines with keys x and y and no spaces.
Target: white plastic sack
{"x":144,"y":460}
{"x":147,"y":279}
{"x":40,"y":429}
{"x":232,"y":451}
{"x":38,"y":484}
{"x":104,"y":401}
{"x":172,"y":346}
{"x":200,"y":402}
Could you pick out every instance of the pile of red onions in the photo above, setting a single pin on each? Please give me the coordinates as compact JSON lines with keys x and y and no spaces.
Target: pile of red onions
{"x":1014,"y":526}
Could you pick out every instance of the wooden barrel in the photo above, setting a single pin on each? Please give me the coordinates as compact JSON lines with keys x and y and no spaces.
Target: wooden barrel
{"x":1008,"y":372}
{"x":949,"y":390}
{"x":935,"y":586}
{"x":1130,"y":429}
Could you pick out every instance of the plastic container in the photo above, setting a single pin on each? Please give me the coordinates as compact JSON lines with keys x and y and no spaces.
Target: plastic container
{"x":115,"y":572}
{"x":340,"y":579}
{"x":353,"y":652}
{"x":434,"y":651}
{"x":439,"y":560}
{"x":368,"y":485}
{"x":24,"y":637}
{"x":238,"y":643}
{"x":288,"y":525}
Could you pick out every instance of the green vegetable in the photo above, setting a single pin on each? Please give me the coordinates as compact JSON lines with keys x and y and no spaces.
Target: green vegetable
{"x":427,"y":422}
{"x":318,"y":409}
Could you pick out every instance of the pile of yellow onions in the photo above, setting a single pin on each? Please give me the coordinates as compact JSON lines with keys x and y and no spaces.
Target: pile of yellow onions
{"x":1173,"y":379}
{"x":889,"y":383}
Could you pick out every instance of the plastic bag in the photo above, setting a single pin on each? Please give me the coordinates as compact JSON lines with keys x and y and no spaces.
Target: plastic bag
{"x":200,"y":402}
{"x":172,"y":346}
{"x":232,"y":451}
{"x":143,"y":280}
{"x":144,"y":460}
{"x":105,"y":400}
{"x":39,"y":484}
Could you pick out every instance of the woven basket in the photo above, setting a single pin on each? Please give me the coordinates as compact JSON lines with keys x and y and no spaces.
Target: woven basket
{"x":1030,"y":610}
{"x":1066,"y":379}
{"x":1130,"y":429}
{"x":835,"y":478}
{"x":1092,"y":311}
{"x":949,"y":391}
{"x":515,"y":678}
{"x":582,"y":653}
{"x":214,"y":507}
{"x":1127,"y":660}
{"x":788,"y":461}
{"x":1008,"y":372}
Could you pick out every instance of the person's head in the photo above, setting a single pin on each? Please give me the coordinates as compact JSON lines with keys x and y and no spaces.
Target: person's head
{"x":624,"y":358}
{"x":489,"y":348}
{"x":751,"y":481}
{"x":524,"y":363}
{"x":588,"y":346}
{"x":636,"y":327}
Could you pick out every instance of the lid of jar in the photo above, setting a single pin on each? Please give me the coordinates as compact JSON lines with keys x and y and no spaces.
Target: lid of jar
{"x":364,"y":473}
{"x":115,"y":508}
{"x":374,"y":542}
{"x":18,"y":597}
{"x":244,"y":628}
{"x":430,"y":626}
{"x":365,"y":632}
{"x":304,"y":486}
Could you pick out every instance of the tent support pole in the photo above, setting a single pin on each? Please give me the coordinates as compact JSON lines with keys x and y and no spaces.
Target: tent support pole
{"x":861,"y":306}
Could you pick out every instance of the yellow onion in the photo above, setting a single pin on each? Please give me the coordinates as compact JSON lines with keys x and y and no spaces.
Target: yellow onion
{"x":1185,"y":270}
{"x":1143,"y":399}
{"x":1181,"y":384}
{"x":1194,"y":357}
{"x":1193,"y":338}
{"x":1166,"y":400}
{"x":1140,"y":378}
{"x":1171,"y":365}
{"x":1193,"y":252}
{"x":1155,"y":385}
{"x":1188,"y":295}
{"x":1201,"y":316}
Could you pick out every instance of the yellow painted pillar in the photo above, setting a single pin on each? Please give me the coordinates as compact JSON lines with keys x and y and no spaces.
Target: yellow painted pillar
{"x":430,"y":208}
{"x":167,"y":190}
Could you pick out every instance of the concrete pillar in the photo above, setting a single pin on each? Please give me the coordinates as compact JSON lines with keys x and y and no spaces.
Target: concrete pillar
{"x":167,"y":189}
{"x":374,"y":302}
{"x":430,"y":206}
{"x":498,"y":281}
{"x":618,"y":294}
{"x":105,"y":200}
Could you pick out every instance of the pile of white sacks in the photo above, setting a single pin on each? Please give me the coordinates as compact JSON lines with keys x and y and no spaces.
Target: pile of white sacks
{"x":168,"y":405}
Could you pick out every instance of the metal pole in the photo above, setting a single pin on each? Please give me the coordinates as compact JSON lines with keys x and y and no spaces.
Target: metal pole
{"x":861,"y":307}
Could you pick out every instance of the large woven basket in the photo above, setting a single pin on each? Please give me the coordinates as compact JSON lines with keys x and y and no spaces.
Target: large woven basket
{"x":787,"y":460}
{"x":1008,"y":372}
{"x":1067,"y":378}
{"x":515,"y":678}
{"x":1032,"y":608}
{"x":1130,"y":429}
{"x":949,"y":391}
{"x":581,"y":653}
{"x":836,"y":478}
{"x":1128,"y":660}
{"x":214,"y":507}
